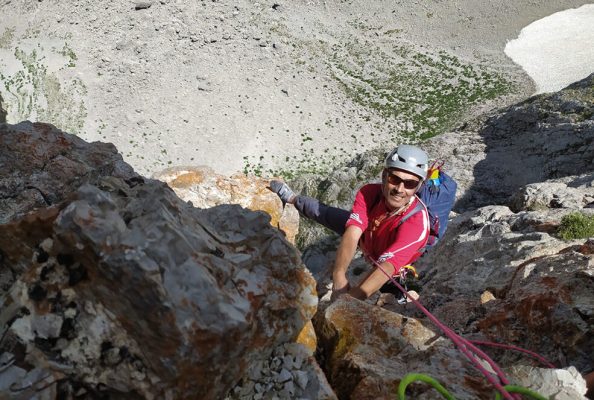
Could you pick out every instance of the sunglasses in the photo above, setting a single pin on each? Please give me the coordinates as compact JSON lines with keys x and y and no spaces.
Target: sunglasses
{"x":408,"y":183}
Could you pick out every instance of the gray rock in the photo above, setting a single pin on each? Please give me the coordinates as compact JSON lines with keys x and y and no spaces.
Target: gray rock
{"x":142,"y":5}
{"x":573,"y":192}
{"x":105,"y":246}
{"x":558,"y":384}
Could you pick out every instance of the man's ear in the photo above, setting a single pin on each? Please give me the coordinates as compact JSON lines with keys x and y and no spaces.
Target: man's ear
{"x":384,"y":176}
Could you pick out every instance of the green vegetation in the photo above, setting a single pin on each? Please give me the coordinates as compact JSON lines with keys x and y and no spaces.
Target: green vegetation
{"x":6,"y":38}
{"x":294,"y":166}
{"x":576,"y":226}
{"x":427,"y":93}
{"x":35,"y":93}
{"x":69,"y":54}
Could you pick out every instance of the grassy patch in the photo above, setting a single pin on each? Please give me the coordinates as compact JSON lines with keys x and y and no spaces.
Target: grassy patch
{"x":293,"y":166}
{"x":35,"y":93}
{"x":6,"y":38}
{"x":576,"y":226}
{"x":68,"y":53}
{"x":425,"y":93}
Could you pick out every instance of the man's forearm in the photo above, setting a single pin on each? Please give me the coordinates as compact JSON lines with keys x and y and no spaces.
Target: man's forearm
{"x":346,"y":252}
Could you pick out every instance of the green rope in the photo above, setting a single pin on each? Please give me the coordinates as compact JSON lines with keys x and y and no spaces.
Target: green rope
{"x":410,"y":378}
{"x":520,"y":390}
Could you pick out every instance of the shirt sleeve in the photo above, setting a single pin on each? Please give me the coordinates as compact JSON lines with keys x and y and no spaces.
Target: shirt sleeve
{"x":364,"y":201}
{"x":410,"y":237}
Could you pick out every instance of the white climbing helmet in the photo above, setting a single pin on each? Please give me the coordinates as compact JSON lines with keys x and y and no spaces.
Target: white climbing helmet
{"x":408,"y":158}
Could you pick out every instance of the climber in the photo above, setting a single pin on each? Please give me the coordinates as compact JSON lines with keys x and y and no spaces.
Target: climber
{"x":375,"y":222}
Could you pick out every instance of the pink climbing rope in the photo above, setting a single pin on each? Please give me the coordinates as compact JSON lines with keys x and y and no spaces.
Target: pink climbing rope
{"x":464,"y":345}
{"x":540,"y":358}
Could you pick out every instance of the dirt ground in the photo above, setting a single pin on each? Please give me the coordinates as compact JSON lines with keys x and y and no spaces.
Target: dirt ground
{"x":260,"y":87}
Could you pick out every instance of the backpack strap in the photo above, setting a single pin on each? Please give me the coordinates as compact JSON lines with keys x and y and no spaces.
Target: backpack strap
{"x":415,"y":210}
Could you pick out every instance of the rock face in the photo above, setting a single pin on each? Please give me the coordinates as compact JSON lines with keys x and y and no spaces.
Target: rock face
{"x":500,"y":274}
{"x":205,"y":189}
{"x":112,"y":286}
{"x":546,"y":137}
{"x":558,"y":384}
{"x":368,"y":350}
{"x":539,"y":283}
{"x":40,"y":166}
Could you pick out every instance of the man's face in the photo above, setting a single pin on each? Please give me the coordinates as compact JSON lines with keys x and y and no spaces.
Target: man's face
{"x":399,"y":187}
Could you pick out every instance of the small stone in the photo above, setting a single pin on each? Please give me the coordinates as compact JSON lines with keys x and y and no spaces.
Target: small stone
{"x":284,"y":376}
{"x":255,"y":373}
{"x":142,"y":5}
{"x":487,"y":297}
{"x":47,"y":326}
{"x":290,"y":387}
{"x":70,"y":313}
{"x":301,"y":379}
{"x":61,"y":344}
{"x":298,"y":362}
{"x":288,"y":362}
{"x":47,"y":244}
{"x":276,"y":363}
{"x":68,"y":294}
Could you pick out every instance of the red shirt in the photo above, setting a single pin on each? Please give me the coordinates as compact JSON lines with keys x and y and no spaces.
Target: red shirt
{"x":383,"y":240}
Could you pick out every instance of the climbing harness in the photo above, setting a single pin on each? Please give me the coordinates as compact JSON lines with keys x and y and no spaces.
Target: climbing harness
{"x":402,"y":274}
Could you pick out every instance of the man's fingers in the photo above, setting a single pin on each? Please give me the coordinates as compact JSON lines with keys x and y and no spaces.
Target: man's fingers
{"x":339,"y":291}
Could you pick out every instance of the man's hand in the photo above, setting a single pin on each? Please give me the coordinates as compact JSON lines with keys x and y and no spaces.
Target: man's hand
{"x":339,"y":286}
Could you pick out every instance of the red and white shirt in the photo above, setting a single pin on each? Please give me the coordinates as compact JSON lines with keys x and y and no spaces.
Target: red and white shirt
{"x":382,"y":239}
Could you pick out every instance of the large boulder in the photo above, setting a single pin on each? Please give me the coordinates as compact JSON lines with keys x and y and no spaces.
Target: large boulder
{"x":368,"y":350}
{"x":573,"y":192}
{"x":204,"y":188}
{"x":112,"y":286}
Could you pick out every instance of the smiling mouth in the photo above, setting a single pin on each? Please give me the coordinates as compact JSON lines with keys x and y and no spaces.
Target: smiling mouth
{"x":396,"y":195}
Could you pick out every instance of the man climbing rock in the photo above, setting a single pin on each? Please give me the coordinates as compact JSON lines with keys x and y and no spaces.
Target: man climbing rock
{"x":388,"y":221}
